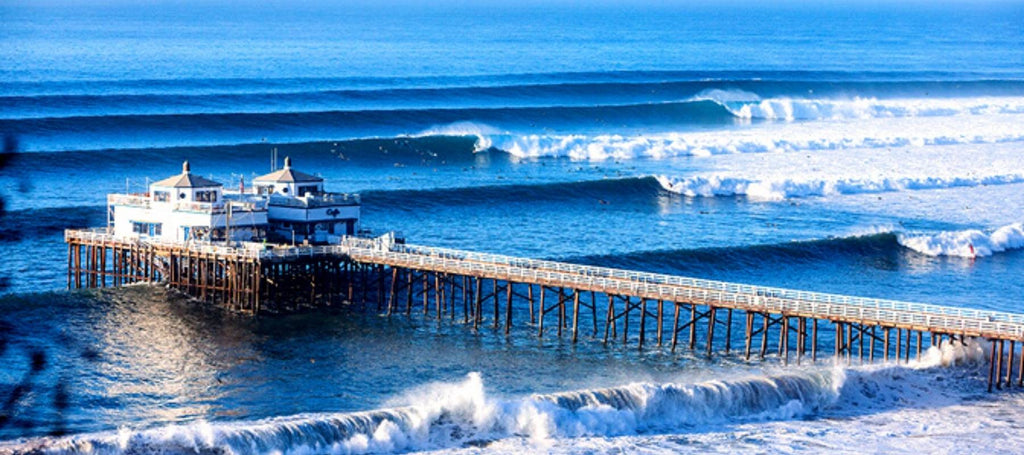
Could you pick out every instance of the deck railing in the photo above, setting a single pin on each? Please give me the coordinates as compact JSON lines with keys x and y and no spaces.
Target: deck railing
{"x":220,"y":207}
{"x":655,"y":278}
{"x":676,"y":288}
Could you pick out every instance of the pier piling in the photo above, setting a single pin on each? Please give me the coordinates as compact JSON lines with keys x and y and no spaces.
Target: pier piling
{"x":361,"y":272}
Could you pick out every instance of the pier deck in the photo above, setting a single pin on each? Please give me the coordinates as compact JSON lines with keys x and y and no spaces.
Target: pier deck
{"x":399,"y":277}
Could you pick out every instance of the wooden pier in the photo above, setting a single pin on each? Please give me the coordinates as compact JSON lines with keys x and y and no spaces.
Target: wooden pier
{"x":499,"y":293}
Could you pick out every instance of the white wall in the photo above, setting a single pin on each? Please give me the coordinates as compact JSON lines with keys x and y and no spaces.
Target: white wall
{"x":172,"y":221}
{"x":318,"y":214}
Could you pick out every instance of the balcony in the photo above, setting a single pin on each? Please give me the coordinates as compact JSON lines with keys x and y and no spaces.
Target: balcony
{"x":238,"y":204}
{"x":312,"y":201}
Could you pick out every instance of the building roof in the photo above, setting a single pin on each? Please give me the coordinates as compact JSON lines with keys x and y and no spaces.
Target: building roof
{"x":186,"y":180}
{"x":288,"y":175}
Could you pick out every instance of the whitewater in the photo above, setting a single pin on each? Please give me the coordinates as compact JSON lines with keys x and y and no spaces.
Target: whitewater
{"x":464,"y":415}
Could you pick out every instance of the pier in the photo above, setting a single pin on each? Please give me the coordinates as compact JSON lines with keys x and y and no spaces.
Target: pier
{"x":550,"y":299}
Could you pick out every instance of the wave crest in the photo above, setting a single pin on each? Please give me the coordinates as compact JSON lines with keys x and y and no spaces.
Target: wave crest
{"x":459,"y":414}
{"x":747,"y":105}
{"x":449,"y":415}
{"x":480,"y":131}
{"x":779,"y":189}
{"x":968,"y":243}
{"x":801,"y":138}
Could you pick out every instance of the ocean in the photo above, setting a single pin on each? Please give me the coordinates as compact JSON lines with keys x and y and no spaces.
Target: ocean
{"x":848,"y":147}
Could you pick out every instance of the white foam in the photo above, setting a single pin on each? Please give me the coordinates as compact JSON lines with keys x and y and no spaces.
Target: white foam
{"x":450,"y":414}
{"x":967,"y":243}
{"x":775,"y":189}
{"x":447,"y":416}
{"x":817,"y":136}
{"x":748,"y":105}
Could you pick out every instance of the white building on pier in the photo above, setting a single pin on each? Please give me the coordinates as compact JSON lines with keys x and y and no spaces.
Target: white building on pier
{"x":286,"y":206}
{"x":299,"y":210}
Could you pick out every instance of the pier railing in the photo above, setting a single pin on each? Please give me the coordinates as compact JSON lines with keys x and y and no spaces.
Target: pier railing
{"x":684,"y":289}
{"x":723,"y":286}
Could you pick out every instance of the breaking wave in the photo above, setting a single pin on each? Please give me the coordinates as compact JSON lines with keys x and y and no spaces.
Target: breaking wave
{"x":747,"y":105}
{"x":450,"y":415}
{"x":968,"y":243}
{"x":463,"y":414}
{"x":803,"y":138}
{"x":784,"y":188}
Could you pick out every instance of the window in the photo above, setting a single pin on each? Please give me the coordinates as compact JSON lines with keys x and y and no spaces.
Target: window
{"x":152,"y":229}
{"x":206,"y":196}
{"x":309,"y":189}
{"x":265,"y":189}
{"x":284,"y":190}
{"x":161,"y":196}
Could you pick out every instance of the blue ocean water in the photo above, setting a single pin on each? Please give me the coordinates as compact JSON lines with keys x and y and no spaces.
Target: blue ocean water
{"x":848,"y":147}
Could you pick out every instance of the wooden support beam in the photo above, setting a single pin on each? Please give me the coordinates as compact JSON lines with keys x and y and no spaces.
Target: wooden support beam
{"x":999,"y":364}
{"x":496,"y":310}
{"x":711,"y":331}
{"x":643,"y":322}
{"x":479,"y":303}
{"x":625,"y":320}
{"x":839,"y":341}
{"x":609,"y":320}
{"x":992,"y":365}
{"x":764,"y":335}
{"x":508,"y":307}
{"x":728,"y":330}
{"x":748,"y":333}
{"x":542,"y":311}
{"x":675,"y":327}
{"x":575,"y":315}
{"x":1009,"y":366}
{"x":660,"y":320}
{"x":1020,"y":372}
{"x":693,"y":326}
{"x":784,"y":347}
{"x":563,"y":319}
{"x":529,"y":293}
{"x":801,"y":338}
{"x":391,"y":295}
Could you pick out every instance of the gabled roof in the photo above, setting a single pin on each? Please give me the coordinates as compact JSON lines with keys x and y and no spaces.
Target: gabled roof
{"x":187,"y":180}
{"x":288,"y":175}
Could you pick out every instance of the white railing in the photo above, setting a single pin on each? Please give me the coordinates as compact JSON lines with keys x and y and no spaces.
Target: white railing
{"x":632,"y":283}
{"x":315,"y":200}
{"x":134,"y":199}
{"x":682,"y":289}
{"x":764,"y":291}
{"x":220,"y":207}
